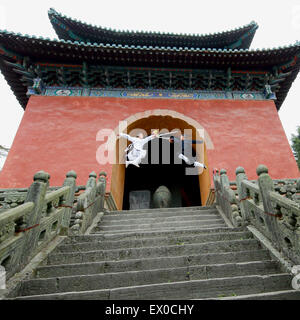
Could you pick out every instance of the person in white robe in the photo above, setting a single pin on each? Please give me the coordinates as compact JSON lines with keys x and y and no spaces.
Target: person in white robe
{"x":136,"y":149}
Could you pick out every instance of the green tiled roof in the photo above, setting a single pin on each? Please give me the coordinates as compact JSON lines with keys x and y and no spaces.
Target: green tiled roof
{"x":72,"y":29}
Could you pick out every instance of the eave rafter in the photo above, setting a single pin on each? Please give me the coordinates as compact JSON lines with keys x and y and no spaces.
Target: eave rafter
{"x":95,"y":76}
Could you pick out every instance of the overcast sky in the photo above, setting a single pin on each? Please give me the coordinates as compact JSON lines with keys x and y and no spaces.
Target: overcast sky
{"x":279,"y":25}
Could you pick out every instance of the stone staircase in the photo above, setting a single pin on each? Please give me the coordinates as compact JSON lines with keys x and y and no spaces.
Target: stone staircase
{"x":175,"y":253}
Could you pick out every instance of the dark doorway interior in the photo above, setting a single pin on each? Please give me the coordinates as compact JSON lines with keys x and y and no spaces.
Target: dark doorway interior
{"x":184,"y":188}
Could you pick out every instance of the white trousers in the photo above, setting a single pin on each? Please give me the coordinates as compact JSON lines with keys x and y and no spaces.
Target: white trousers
{"x":188,"y":161}
{"x":136,"y":156}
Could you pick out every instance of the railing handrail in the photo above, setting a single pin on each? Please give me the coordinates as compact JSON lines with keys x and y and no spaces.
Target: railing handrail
{"x":284,"y":200}
{"x":251,"y":185}
{"x":57,"y":193}
{"x":16,"y":213}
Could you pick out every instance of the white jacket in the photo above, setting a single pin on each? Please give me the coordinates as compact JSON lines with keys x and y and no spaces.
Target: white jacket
{"x":138,"y":143}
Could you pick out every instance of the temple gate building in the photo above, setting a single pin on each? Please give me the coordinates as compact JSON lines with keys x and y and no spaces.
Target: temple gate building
{"x":94,"y":78}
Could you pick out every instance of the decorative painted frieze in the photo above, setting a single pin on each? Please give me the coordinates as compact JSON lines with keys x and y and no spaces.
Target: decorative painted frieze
{"x":151,"y":94}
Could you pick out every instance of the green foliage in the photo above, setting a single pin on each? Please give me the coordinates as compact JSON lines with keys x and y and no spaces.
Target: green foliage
{"x":3,"y":154}
{"x":3,"y":151}
{"x":296,"y":145}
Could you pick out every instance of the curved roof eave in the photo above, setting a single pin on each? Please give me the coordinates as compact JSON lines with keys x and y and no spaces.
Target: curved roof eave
{"x":74,"y":30}
{"x":15,"y":47}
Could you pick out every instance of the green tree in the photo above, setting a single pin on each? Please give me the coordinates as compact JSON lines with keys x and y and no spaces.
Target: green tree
{"x":3,"y":152}
{"x":296,"y":145}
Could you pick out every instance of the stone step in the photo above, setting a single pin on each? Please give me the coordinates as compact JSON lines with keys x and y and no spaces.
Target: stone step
{"x":149,"y":234}
{"x":152,"y":242}
{"x":150,"y":220}
{"x":193,"y":289}
{"x":162,"y":225}
{"x":171,"y":253}
{"x":165,"y":229}
{"x":135,"y":278}
{"x":150,"y":263}
{"x":154,"y":210}
{"x":275,"y":295}
{"x":152,"y":252}
{"x":157,"y":214}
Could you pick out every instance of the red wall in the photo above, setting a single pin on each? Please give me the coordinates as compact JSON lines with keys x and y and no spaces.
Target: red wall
{"x":58,"y":134}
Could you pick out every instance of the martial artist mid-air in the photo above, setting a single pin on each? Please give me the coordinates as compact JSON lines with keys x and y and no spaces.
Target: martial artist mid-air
{"x":136,"y":149}
{"x":180,"y":145}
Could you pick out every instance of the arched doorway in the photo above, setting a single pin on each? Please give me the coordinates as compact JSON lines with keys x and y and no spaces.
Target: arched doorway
{"x":187,"y":190}
{"x":162,"y":170}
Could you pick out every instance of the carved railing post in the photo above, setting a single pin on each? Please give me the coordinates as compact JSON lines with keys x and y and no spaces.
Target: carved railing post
{"x":224,"y":179}
{"x":242,"y":193}
{"x":11,"y":238}
{"x":217,"y":185}
{"x":266,"y":186}
{"x":227,"y":200}
{"x":93,"y":201}
{"x":102,"y":189}
{"x":70,"y":181}
{"x":86,"y":208}
{"x":91,"y":183}
{"x":36,"y":194}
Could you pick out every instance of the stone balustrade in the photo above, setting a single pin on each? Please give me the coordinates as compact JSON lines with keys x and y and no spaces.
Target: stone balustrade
{"x":257,"y":203}
{"x":11,"y":198}
{"x":29,"y":227}
{"x":89,"y":203}
{"x":226,"y":199}
{"x":45,"y":214}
